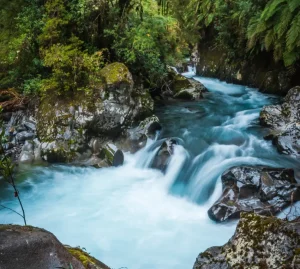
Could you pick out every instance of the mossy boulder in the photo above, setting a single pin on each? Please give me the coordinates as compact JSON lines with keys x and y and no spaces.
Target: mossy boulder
{"x":66,"y":124}
{"x":258,"y":242}
{"x":185,"y":88}
{"x":29,"y":247}
{"x":180,"y":83}
{"x":116,"y":74}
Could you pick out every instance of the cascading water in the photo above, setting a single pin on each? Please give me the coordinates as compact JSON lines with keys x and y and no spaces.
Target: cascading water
{"x":136,"y":217}
{"x":191,"y":72}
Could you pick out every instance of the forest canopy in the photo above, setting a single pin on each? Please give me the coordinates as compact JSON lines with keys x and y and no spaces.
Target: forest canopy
{"x":60,"y":45}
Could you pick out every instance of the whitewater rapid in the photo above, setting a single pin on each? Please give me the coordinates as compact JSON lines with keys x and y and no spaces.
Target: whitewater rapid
{"x":139,"y":218}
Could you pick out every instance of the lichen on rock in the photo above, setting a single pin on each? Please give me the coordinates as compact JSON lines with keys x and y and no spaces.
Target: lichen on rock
{"x":258,"y":242}
{"x":66,"y":125}
{"x":284,"y":121}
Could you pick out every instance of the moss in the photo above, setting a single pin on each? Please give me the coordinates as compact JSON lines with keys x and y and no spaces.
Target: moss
{"x":184,"y":95}
{"x":107,"y":153}
{"x":83,"y":257}
{"x":116,"y":73}
{"x":180,"y":83}
{"x":297,"y":251}
{"x":230,"y":203}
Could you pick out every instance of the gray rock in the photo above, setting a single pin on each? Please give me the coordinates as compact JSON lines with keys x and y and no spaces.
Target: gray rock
{"x":106,"y":115}
{"x":136,"y":138}
{"x":30,"y":125}
{"x":284,"y":121}
{"x":23,"y":136}
{"x":263,"y":190}
{"x":34,"y":248}
{"x":187,"y":89}
{"x":164,"y":154}
{"x":118,"y":159}
{"x":258,"y":242}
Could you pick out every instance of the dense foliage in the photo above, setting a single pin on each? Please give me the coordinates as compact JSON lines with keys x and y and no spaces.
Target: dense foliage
{"x":60,"y":45}
{"x":247,"y":27}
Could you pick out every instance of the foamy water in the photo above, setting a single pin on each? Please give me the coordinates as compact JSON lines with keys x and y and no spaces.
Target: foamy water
{"x":136,"y":217}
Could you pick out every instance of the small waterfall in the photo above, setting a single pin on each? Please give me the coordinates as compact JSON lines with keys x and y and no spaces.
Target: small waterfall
{"x":192,"y":69}
{"x":191,"y":72}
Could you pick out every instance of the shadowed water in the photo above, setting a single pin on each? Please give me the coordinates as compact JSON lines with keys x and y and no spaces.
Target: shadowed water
{"x":138,"y":218}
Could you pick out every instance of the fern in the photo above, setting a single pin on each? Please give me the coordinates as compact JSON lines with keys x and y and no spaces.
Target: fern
{"x":290,"y":58}
{"x":284,"y":22}
{"x":271,"y":8}
{"x":293,"y":35}
{"x":293,"y":4}
{"x":269,"y":39}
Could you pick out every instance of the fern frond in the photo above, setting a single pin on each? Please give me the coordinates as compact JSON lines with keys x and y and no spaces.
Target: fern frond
{"x":293,"y":35}
{"x":271,"y":8}
{"x":285,"y":19}
{"x":269,"y":39}
{"x":289,"y":58}
{"x":293,"y":4}
{"x":278,"y":51}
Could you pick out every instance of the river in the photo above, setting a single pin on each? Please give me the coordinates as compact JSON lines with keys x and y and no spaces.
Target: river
{"x":138,"y":218}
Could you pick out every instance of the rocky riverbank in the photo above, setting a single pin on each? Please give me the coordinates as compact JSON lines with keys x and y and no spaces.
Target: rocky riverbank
{"x":259,"y":242}
{"x":91,"y":129}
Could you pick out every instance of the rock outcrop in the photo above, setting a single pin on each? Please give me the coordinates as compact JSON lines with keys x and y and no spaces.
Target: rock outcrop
{"x":259,"y":242}
{"x":186,"y":89}
{"x":28,"y":247}
{"x":262,"y":190}
{"x":79,"y":127}
{"x":182,"y":88}
{"x":284,"y":121}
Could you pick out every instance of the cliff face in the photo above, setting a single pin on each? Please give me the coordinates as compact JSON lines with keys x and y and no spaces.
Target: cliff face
{"x":259,"y":72}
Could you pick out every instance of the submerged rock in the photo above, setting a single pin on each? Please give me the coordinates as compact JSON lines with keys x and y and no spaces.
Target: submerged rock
{"x":263,"y":190}
{"x":258,"y":242}
{"x":163,"y":156}
{"x":34,"y":248}
{"x":284,"y":121}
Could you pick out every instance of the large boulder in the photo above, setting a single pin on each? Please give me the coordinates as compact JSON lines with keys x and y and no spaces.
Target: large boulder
{"x":186,"y":88}
{"x":263,"y":190}
{"x":65,"y":126}
{"x":284,"y":121}
{"x":34,"y":248}
{"x":259,"y":242}
{"x":180,"y":87}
